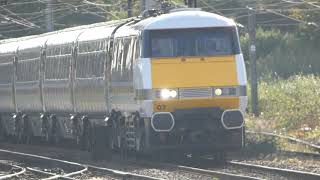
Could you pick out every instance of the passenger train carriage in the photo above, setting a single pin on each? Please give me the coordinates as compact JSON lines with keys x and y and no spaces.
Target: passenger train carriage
{"x":174,"y":81}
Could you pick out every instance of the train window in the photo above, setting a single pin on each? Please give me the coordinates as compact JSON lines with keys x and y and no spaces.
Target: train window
{"x":126,"y":56}
{"x":6,"y":69}
{"x":58,"y":61}
{"x":91,"y":59}
{"x":125,"y":52}
{"x":161,"y":46}
{"x":116,"y":62}
{"x":28,"y":66}
{"x":6,"y":72}
{"x":57,"y":67}
{"x":137,"y":48}
{"x":193,"y":42}
{"x":209,"y":46}
{"x":28,"y":70}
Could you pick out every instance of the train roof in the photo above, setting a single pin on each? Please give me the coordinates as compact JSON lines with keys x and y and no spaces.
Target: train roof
{"x":186,"y":19}
{"x":172,"y":20}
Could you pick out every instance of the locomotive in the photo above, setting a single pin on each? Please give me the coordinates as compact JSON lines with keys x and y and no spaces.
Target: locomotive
{"x":174,"y":82}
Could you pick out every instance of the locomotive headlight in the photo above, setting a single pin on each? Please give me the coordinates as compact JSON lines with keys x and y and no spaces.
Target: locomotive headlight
{"x":173,"y":93}
{"x":165,"y":93}
{"x":168,"y":93}
{"x":218,"y":92}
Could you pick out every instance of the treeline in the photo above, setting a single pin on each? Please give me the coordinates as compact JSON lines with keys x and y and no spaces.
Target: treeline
{"x":288,"y":35}
{"x":283,"y":54}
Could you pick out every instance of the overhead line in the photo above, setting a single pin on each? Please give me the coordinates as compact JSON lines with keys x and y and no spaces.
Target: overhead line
{"x":86,"y":10}
{"x":15,"y":21}
{"x":26,"y":22}
{"x":298,"y":20}
{"x":289,"y":24}
{"x":20,"y":3}
{"x":211,"y":7}
{"x":98,"y":4}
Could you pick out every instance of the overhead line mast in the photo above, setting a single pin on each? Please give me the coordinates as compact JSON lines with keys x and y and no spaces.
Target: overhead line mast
{"x":149,"y":4}
{"x":49,"y":16}
{"x":130,"y":8}
{"x":253,"y":62}
{"x":191,"y":3}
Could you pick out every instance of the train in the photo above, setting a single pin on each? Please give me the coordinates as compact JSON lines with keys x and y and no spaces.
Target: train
{"x":172,"y":82}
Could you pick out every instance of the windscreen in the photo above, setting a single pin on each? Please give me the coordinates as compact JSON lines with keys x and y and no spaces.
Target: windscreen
{"x":193,"y":42}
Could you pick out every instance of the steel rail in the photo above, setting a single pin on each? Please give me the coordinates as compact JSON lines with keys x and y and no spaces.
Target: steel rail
{"x":22,"y":171}
{"x":217,"y":174}
{"x":47,"y":173}
{"x":50,"y":159}
{"x":123,"y":174}
{"x":286,"y":172}
{"x":314,"y":146}
{"x":296,"y":153}
{"x":67,"y":175}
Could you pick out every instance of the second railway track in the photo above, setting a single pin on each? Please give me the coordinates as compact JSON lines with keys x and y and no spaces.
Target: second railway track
{"x":137,"y":169}
{"x":40,"y":167}
{"x":132,"y":169}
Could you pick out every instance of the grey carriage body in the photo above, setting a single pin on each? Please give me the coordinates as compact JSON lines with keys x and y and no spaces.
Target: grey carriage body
{"x":63,"y":72}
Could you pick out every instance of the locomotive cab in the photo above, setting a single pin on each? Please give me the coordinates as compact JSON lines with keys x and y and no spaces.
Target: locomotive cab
{"x":197,"y":82}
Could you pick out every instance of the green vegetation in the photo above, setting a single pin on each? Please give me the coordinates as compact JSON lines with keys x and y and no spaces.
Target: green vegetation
{"x":289,"y":105}
{"x":282,"y":54}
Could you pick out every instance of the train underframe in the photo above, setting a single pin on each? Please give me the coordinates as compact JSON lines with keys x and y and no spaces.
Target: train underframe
{"x":195,"y":131}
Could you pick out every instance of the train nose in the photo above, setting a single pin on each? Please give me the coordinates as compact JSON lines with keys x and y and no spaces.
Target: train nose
{"x":232,"y":119}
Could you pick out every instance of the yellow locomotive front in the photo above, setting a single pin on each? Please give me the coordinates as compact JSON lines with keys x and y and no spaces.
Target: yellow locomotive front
{"x":198,"y":82}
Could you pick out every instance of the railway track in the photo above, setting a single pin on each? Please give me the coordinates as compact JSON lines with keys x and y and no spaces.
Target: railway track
{"x":287,"y":173}
{"x":253,"y":171}
{"x":300,"y":154}
{"x":139,"y":169}
{"x":31,"y":167}
{"x":288,"y":138}
{"x":237,"y":171}
{"x":191,"y":172}
{"x":134,"y":169}
{"x":10,"y":170}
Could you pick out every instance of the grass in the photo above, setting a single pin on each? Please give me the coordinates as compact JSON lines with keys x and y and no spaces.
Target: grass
{"x":289,"y":106}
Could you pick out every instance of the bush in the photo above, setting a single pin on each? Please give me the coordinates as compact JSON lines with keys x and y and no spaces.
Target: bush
{"x":288,"y":104}
{"x":283,"y":54}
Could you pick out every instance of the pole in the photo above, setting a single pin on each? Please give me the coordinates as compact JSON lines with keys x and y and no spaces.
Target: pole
{"x":129,"y":8}
{"x":253,"y":63}
{"x":149,"y":4}
{"x":49,"y":16}
{"x":191,"y":3}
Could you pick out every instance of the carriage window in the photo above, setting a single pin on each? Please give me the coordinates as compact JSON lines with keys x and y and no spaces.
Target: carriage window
{"x":125,"y":52}
{"x":161,"y":46}
{"x":91,"y":59}
{"x":193,"y":42}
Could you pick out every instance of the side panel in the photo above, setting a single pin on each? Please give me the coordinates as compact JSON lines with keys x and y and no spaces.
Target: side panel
{"x":143,"y":82}
{"x":89,"y":87}
{"x":6,"y":83}
{"x":57,"y":82}
{"x":122,"y":94}
{"x":27,"y":81}
{"x":242,"y":80}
